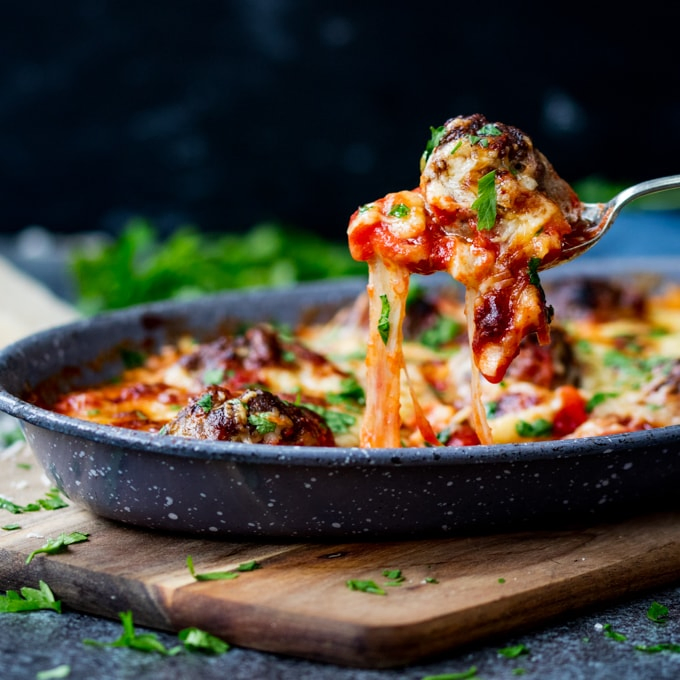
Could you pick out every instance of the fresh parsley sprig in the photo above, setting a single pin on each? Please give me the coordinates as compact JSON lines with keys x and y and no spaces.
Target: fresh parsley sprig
{"x":59,"y":544}
{"x":485,"y":203}
{"x":30,"y":599}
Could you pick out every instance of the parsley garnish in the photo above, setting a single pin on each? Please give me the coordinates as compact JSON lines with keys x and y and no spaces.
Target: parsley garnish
{"x":384,"y":321}
{"x":350,"y":390}
{"x":205,"y":401}
{"x":337,"y":421}
{"x":213,"y":376}
{"x":56,"y":673}
{"x":534,"y":264}
{"x":144,"y":642}
{"x":490,"y":129}
{"x":252,"y":565}
{"x":400,"y":210}
{"x":436,"y":135}
{"x":513,"y":651}
{"x":52,"y":501}
{"x":59,"y":544}
{"x":29,"y":599}
{"x":197,"y":640}
{"x":612,"y":634}
{"x":444,"y":330}
{"x":262,"y":422}
{"x":485,"y":203}
{"x":469,"y":674}
{"x":657,"y":613}
{"x":366,"y":586}
{"x":598,"y":398}
{"x":457,"y":146}
{"x":538,"y":428}
{"x":132,"y":358}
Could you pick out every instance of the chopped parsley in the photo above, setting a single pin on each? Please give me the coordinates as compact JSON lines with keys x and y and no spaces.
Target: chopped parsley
{"x":442,"y":332}
{"x":485,"y":203}
{"x":51,"y":501}
{"x":337,"y":421}
{"x":598,"y":398}
{"x":197,"y":640}
{"x":365,"y":586}
{"x":612,"y":634}
{"x":658,"y":613}
{"x":350,"y":391}
{"x":143,"y":642}
{"x":513,"y":651}
{"x":132,"y":358}
{"x":29,"y":599}
{"x":538,"y":428}
{"x":59,"y":544}
{"x":262,"y":422}
{"x":469,"y":674}
{"x":213,"y":376}
{"x":384,"y":321}
{"x":56,"y":673}
{"x":205,"y":402}
{"x":400,"y":210}
{"x":436,"y":135}
{"x":252,"y":565}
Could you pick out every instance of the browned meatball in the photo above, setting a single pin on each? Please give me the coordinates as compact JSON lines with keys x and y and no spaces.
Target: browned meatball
{"x":597,"y":299}
{"x":548,"y":365}
{"x":253,"y":417}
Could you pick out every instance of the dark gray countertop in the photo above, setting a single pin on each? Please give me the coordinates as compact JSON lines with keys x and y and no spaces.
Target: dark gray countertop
{"x":578,"y":647}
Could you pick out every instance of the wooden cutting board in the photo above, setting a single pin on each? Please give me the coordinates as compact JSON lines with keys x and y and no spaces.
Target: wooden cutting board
{"x":455,"y":590}
{"x":297,"y":602}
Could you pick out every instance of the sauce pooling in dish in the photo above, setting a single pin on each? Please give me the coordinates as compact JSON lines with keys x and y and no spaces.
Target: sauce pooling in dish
{"x":491,"y":211}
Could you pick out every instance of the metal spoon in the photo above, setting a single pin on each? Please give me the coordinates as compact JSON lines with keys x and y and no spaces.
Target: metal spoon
{"x":598,"y":217}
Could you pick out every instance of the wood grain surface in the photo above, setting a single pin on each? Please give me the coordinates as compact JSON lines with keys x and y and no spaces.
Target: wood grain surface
{"x":297,"y":602}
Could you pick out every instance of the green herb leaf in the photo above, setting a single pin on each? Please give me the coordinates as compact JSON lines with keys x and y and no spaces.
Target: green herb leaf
{"x":262,"y":422}
{"x":197,"y":640}
{"x":490,"y":129}
{"x":350,"y":391}
{"x":400,"y":210}
{"x":139,"y":266}
{"x":144,"y":642}
{"x":221,"y":575}
{"x":132,"y":358}
{"x":598,"y":398}
{"x":11,"y":527}
{"x":365,"y":586}
{"x":62,"y":671}
{"x":513,"y":651}
{"x":612,"y":634}
{"x":384,"y":321}
{"x":538,"y":428}
{"x":442,"y":332}
{"x":59,"y":544}
{"x":485,"y":203}
{"x":29,"y":599}
{"x":205,"y":401}
{"x":661,"y":647}
{"x":658,"y":613}
{"x":534,"y":264}
{"x":213,"y":376}
{"x":469,"y":674}
{"x":436,"y":135}
{"x":338,"y":421}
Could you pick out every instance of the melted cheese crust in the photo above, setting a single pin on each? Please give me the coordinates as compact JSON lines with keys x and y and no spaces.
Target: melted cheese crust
{"x":601,"y":375}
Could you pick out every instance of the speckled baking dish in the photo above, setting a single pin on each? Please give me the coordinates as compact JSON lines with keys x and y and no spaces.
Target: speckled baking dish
{"x":224,"y":489}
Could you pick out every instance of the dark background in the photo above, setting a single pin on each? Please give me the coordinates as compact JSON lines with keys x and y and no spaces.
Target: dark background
{"x":224,"y":114}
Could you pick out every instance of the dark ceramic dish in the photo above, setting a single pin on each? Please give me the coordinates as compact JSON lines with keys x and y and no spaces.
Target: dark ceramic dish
{"x":226,"y":489}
